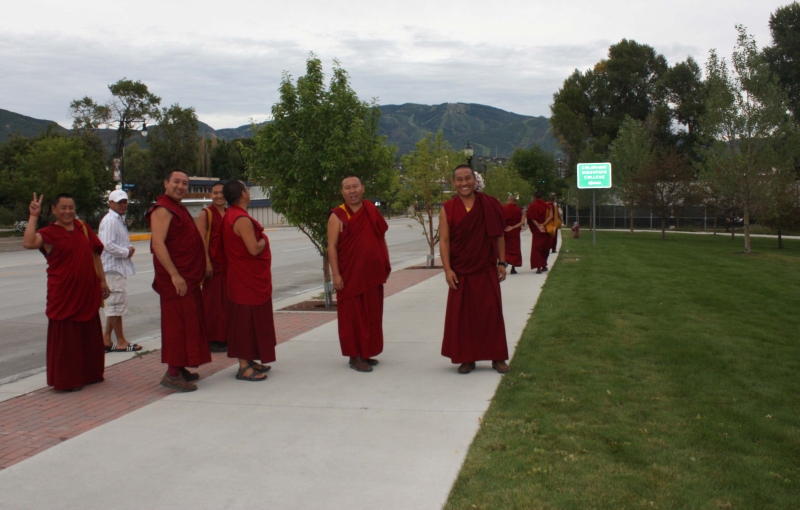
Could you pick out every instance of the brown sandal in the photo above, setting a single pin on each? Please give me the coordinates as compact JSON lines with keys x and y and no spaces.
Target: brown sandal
{"x":254,"y":374}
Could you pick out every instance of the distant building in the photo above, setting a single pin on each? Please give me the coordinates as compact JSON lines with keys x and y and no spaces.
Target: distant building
{"x":260,"y":207}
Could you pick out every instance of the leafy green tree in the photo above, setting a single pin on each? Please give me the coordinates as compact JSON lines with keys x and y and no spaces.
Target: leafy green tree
{"x":426,"y":174}
{"x":748,"y":125}
{"x":686,"y":93}
{"x":318,"y":137}
{"x":56,"y":165}
{"x":538,"y":167}
{"x":147,"y":179}
{"x":502,"y":181}
{"x":131,"y":104}
{"x":630,"y":154}
{"x":783,"y":57}
{"x":227,"y":161}
{"x":174,"y":141}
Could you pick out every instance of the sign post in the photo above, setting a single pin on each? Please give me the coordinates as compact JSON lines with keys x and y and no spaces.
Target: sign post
{"x":594,"y":176}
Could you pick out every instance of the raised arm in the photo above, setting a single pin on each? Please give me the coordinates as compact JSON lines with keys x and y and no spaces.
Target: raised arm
{"x":31,"y":239}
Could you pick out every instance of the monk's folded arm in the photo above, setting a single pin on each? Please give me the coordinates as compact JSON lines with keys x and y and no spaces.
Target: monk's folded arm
{"x":159,"y":225}
{"x":243,"y":227}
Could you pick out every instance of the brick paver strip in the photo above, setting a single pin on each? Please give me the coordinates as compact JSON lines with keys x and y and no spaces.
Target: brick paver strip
{"x":32,"y":423}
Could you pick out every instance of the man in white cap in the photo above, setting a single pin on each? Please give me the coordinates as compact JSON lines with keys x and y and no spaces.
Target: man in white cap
{"x":118,"y":266}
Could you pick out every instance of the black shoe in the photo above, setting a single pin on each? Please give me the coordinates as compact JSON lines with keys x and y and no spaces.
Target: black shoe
{"x":544,"y":269}
{"x":513,"y":270}
{"x":218,"y":346}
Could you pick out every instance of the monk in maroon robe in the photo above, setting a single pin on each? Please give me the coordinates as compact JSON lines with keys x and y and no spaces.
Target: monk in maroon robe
{"x":76,"y":285}
{"x":513,"y":218}
{"x":538,"y":215}
{"x":215,"y":293}
{"x":359,"y":259}
{"x":180,"y":266}
{"x":472,"y":248}
{"x":251,"y":328}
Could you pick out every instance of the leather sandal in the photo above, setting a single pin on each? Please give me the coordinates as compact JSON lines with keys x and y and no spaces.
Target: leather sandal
{"x":255,"y":375}
{"x":261,"y":369}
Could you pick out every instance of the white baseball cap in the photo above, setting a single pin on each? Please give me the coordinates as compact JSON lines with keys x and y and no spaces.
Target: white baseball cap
{"x":117,"y":196}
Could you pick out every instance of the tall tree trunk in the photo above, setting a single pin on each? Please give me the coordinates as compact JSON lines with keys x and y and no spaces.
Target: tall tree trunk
{"x":631,"y":220}
{"x":746,"y":230}
{"x":326,"y":271}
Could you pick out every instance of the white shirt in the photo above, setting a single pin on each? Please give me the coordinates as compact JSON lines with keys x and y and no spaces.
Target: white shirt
{"x":114,"y":234}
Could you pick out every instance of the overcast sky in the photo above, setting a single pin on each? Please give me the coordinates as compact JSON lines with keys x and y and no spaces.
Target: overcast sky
{"x":226,"y":58}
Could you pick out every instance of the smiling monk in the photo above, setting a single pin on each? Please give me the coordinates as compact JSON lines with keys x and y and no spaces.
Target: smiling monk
{"x":472,"y":248}
{"x":180,"y":263}
{"x":359,"y":259}
{"x":215,"y":291}
{"x":75,"y":285}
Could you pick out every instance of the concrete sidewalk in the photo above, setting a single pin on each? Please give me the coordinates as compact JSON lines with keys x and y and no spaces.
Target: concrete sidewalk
{"x":315,"y":435}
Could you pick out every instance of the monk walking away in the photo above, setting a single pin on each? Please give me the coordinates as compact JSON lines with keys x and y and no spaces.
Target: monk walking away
{"x":76,"y":286}
{"x":180,"y":266}
{"x":514,"y":220}
{"x":215,"y":293}
{"x":472,"y":248}
{"x":251,"y":327}
{"x":359,"y":259}
{"x":539,"y":214}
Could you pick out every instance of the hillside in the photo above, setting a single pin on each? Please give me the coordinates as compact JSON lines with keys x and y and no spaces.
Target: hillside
{"x":14,"y":123}
{"x":490,"y":131}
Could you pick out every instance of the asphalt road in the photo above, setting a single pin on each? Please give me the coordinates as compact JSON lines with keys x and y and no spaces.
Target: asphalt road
{"x":296,"y":268}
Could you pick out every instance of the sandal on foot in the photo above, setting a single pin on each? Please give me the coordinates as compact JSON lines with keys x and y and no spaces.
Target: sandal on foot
{"x":261,"y":369}
{"x":128,"y":348}
{"x":110,"y":348}
{"x":254,"y":374}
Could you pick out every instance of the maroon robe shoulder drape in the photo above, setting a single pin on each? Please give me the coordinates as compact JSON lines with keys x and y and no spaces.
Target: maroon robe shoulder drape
{"x":474,"y":328}
{"x":251,"y":325}
{"x":183,"y":330}
{"x":215,"y":293}
{"x":512,"y":215}
{"x":75,"y":355}
{"x":540,"y":245}
{"x":364,"y":266}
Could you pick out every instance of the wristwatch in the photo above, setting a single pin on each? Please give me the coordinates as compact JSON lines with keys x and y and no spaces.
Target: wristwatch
{"x":504,"y":264}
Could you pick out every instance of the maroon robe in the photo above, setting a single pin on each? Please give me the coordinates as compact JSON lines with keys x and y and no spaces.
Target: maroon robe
{"x":540,"y":245}
{"x":215,"y":293}
{"x":251,"y":327}
{"x":512,"y":215}
{"x":75,"y":354}
{"x":474,"y":328}
{"x":183,"y":332}
{"x":364,"y":266}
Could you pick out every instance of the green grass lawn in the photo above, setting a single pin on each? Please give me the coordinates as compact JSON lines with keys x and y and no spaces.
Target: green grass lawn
{"x":652,"y":374}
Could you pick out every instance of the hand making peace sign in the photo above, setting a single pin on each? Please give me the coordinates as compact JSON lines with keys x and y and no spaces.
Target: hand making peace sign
{"x":35,"y":208}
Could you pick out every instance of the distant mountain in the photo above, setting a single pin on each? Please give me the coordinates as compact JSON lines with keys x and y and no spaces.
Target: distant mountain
{"x":489,"y":130}
{"x":14,"y":123}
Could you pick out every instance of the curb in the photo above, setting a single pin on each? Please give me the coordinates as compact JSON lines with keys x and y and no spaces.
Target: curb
{"x":140,"y":237}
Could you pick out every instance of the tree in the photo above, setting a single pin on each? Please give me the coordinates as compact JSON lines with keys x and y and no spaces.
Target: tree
{"x":630,"y":153}
{"x":782,"y":207}
{"x":131,"y":104}
{"x":538,"y":167}
{"x":502,"y":181}
{"x":685,"y":91}
{"x":426,"y":173}
{"x":784,"y":54}
{"x":752,"y":137}
{"x":318,"y":137}
{"x":665,"y":185}
{"x":174,"y":141}
{"x":227,"y":161}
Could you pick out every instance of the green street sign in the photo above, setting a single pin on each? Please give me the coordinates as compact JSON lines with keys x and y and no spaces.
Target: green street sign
{"x":594,"y":175}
